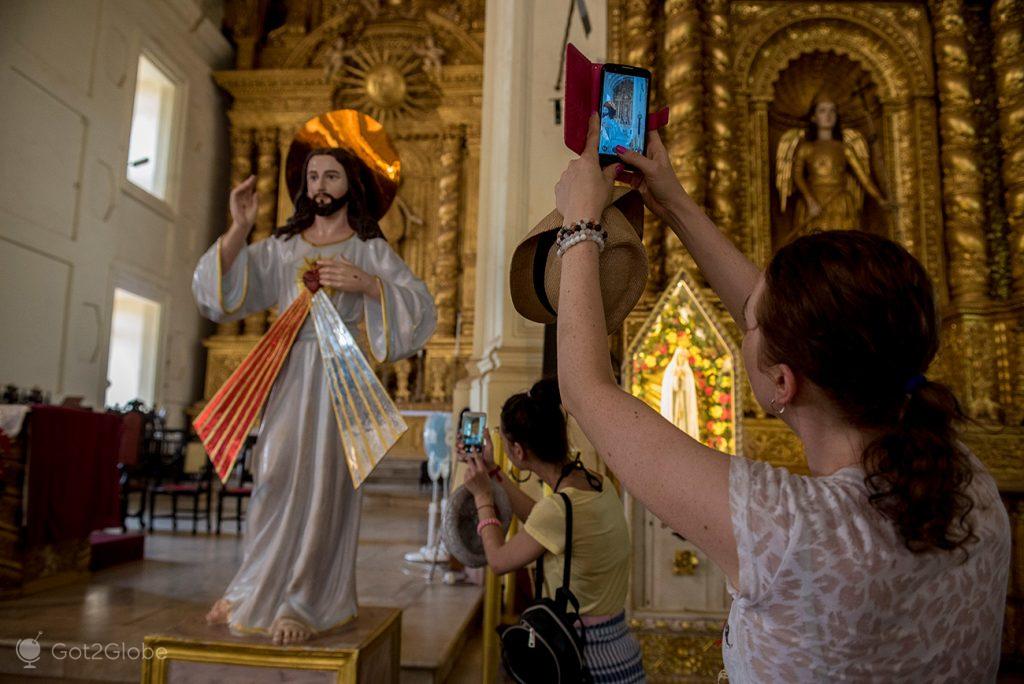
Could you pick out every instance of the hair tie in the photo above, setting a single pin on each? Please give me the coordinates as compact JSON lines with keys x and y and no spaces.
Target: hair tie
{"x":914,"y":383}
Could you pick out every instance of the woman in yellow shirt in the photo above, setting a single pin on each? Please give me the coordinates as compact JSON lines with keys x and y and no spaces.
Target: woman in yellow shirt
{"x":533,"y":430}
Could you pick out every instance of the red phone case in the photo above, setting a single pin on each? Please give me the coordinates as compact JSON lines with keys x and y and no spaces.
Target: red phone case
{"x":583,"y":98}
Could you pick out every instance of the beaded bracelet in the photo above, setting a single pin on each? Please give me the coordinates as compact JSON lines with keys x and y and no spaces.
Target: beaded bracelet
{"x":485,"y":522}
{"x":579,"y":232}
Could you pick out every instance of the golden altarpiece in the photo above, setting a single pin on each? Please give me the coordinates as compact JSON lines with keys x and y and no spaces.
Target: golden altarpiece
{"x":929,"y":98}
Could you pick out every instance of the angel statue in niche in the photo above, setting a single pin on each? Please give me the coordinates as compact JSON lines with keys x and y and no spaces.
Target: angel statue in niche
{"x":830,"y":167}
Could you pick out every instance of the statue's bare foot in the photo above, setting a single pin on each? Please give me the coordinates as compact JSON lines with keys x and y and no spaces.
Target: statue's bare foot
{"x":220,"y":612}
{"x":287,"y":631}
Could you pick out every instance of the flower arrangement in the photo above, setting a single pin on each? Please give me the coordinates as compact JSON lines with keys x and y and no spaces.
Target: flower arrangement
{"x":679,"y":327}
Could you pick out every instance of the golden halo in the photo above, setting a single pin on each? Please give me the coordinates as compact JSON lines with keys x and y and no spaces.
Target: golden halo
{"x":361,"y":135}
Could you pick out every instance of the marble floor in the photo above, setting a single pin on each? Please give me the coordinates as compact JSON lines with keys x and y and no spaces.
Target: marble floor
{"x":182,"y":575}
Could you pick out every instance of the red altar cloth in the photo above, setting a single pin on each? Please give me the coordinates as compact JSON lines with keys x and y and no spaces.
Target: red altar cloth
{"x":72,"y":474}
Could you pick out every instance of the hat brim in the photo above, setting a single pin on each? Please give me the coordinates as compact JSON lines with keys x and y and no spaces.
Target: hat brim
{"x":535,"y":270}
{"x":459,"y":521}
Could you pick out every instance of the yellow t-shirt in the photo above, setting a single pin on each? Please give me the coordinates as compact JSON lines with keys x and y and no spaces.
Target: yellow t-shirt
{"x":600,"y":547}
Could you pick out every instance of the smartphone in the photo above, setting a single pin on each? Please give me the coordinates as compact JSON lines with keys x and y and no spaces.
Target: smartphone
{"x":472,"y":430}
{"x":623,"y":110}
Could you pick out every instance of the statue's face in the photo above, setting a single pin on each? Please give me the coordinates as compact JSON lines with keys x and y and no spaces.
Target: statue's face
{"x":325,"y":179}
{"x":825,"y":114}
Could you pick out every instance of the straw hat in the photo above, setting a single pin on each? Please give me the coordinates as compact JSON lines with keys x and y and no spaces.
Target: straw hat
{"x":359,"y":134}
{"x":459,"y":521}
{"x":536,"y":268}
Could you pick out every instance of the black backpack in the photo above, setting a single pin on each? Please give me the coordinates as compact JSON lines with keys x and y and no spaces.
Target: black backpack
{"x":545,"y":646}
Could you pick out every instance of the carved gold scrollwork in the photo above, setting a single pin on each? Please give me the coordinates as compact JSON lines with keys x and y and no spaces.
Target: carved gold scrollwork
{"x":640,"y":45}
{"x":721,"y":200}
{"x":438,"y":367}
{"x":961,"y":174}
{"x":684,"y":90}
{"x":266,"y":187}
{"x":402,"y":369}
{"x":446,"y":263}
{"x":266,"y":182}
{"x":1008,"y":23}
{"x":680,"y":650}
{"x":686,"y":562}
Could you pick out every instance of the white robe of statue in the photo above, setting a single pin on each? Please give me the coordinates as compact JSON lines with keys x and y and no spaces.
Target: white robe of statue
{"x":303,"y":520}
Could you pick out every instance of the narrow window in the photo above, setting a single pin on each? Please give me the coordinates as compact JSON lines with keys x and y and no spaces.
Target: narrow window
{"x":149,"y":147}
{"x":132,"y":364}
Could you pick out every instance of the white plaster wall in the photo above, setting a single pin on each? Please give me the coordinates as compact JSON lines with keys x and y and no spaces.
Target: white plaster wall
{"x":522,"y":157}
{"x":71,"y":227}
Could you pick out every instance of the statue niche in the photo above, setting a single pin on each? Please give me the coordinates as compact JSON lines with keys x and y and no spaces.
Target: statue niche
{"x":823,"y":122}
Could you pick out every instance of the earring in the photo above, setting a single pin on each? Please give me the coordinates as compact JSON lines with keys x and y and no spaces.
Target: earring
{"x":780,"y":411}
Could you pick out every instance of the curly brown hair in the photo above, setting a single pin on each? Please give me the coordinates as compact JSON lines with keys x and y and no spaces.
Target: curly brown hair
{"x":855,"y":314}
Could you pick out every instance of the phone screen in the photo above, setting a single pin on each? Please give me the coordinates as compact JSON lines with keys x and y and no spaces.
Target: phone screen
{"x":623,"y":112}
{"x":472,"y":429}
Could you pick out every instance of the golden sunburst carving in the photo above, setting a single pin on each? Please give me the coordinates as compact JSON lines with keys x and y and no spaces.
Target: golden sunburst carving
{"x":384,"y":83}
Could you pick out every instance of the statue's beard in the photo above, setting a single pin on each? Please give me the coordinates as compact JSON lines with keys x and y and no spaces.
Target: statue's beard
{"x":335,"y":205}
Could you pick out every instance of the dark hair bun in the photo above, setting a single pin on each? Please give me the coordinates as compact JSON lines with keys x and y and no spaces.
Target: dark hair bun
{"x":536,"y":421}
{"x":546,"y":392}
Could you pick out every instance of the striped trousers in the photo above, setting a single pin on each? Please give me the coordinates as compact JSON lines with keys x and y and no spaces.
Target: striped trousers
{"x":613,"y":654}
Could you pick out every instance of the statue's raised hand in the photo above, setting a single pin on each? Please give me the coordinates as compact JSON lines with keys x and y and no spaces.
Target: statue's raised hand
{"x":244,"y":204}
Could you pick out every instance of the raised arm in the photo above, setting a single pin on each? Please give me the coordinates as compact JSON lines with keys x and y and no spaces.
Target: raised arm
{"x":233,"y":279}
{"x":502,"y":556}
{"x":244,"y":203}
{"x":680,"y":480}
{"x":731,"y":274}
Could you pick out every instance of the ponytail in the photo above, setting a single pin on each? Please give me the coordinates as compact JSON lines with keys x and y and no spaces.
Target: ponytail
{"x":855,"y":313}
{"x":917,"y":474}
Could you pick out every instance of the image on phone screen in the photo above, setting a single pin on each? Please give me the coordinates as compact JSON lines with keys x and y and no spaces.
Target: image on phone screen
{"x":623,"y":112}
{"x":472,"y":429}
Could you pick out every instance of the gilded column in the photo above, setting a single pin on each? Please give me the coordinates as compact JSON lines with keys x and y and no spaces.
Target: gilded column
{"x":757,"y":195}
{"x":683,"y":88}
{"x":266,"y":188}
{"x":640,"y":44}
{"x":962,"y":196}
{"x":285,"y":134}
{"x":721,"y":199}
{"x":241,"y":168}
{"x":446,"y":255}
{"x":1008,"y":24}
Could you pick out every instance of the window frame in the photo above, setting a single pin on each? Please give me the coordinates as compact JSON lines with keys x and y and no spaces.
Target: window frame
{"x":166,"y":206}
{"x":124,"y":277}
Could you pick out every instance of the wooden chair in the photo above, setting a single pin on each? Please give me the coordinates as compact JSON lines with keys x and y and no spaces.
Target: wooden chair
{"x":176,"y":478}
{"x":238,"y":486}
{"x":133,"y":460}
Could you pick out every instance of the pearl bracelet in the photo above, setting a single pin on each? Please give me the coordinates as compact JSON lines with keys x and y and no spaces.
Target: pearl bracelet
{"x":578,"y":232}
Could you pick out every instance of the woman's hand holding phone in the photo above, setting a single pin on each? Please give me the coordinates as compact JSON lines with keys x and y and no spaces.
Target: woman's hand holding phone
{"x":486,"y":453}
{"x":477,"y":481}
{"x":655,"y":178}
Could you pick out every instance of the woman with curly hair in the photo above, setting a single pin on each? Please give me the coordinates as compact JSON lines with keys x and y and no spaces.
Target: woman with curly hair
{"x":889,"y":561}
